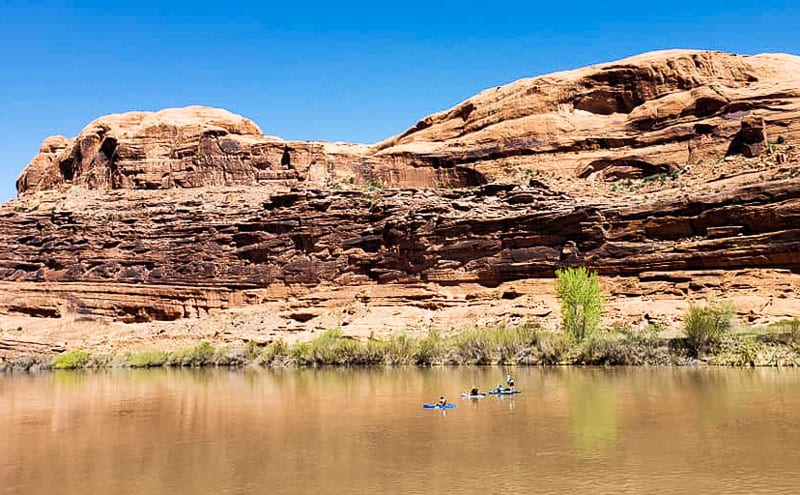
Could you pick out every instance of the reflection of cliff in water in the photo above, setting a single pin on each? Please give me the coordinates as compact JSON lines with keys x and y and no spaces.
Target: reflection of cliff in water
{"x":592,"y":413}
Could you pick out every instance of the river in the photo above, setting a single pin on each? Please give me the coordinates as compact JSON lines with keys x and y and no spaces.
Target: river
{"x":343,"y":431}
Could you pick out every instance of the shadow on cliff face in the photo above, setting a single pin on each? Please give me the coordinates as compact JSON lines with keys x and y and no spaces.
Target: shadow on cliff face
{"x":464,"y":177}
{"x":413,"y":173}
{"x":623,"y":169}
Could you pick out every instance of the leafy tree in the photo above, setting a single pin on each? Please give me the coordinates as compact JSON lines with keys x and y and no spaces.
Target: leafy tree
{"x":581,"y":301}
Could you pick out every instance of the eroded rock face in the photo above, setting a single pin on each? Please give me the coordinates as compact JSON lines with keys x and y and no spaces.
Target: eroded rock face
{"x":204,"y":147}
{"x":636,"y":117}
{"x":202,"y":248}
{"x":185,"y":212}
{"x":751,"y":140}
{"x":654,"y":112}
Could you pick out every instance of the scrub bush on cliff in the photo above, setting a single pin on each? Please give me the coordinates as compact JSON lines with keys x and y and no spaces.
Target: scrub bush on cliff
{"x":430,"y":349}
{"x":498,"y":345}
{"x":74,"y":359}
{"x":582,"y":303}
{"x":790,"y":330}
{"x":705,"y":326}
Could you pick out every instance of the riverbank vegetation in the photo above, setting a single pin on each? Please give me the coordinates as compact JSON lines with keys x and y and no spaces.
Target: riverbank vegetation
{"x":710,"y":336}
{"x":715,"y":344}
{"x":582,"y":302}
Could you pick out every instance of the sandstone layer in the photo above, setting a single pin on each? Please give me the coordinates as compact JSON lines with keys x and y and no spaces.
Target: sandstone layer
{"x":673,"y":174}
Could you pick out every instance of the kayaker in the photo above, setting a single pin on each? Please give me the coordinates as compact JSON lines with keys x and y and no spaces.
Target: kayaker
{"x":442,"y":401}
{"x":510,"y":381}
{"x":474,"y":391}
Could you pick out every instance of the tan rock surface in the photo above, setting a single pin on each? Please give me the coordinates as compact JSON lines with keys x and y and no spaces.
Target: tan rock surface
{"x":661,"y":110}
{"x":664,"y":172}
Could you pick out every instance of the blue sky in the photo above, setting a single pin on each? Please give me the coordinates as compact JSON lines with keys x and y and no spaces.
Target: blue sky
{"x":351,"y":71}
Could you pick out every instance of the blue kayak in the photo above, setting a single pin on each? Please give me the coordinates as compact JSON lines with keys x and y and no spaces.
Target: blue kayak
{"x":504,"y":391}
{"x":437,"y":406}
{"x":470,"y":396}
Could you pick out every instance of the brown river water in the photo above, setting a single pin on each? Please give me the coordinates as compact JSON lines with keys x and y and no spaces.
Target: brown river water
{"x":343,"y":431}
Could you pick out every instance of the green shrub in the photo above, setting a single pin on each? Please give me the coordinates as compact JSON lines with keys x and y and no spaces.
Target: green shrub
{"x":551,"y":348}
{"x":299,"y":353}
{"x":786,"y":332}
{"x":373,"y":351}
{"x":511,"y":342}
{"x":602,"y":349}
{"x":581,"y":301}
{"x":148,"y":358}
{"x":325,"y":349}
{"x":400,"y":349}
{"x":350,"y":351}
{"x":736,"y":351}
{"x":76,"y":358}
{"x":471,"y":345}
{"x":252,"y":350}
{"x":705,"y":326}
{"x":430,"y":349}
{"x":276,"y":352}
{"x":199,"y":355}
{"x":100,"y":361}
{"x":332,"y":347}
{"x":626,"y":347}
{"x":791,"y":328}
{"x":498,"y":345}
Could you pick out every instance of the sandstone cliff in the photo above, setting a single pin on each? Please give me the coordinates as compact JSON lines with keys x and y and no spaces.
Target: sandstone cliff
{"x":673,"y":174}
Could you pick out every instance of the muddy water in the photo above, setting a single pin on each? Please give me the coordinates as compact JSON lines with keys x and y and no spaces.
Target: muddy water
{"x":630,"y":430}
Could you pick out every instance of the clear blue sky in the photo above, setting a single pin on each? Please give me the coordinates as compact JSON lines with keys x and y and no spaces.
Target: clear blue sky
{"x":332,"y":70}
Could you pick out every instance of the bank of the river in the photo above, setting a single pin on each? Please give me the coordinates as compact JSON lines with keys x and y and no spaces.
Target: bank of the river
{"x":523,"y":345}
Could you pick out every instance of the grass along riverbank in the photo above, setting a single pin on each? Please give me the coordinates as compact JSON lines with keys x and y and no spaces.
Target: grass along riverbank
{"x":709,"y":340}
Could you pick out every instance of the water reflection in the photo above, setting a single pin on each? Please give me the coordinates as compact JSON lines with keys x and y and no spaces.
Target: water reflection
{"x":592,"y":412}
{"x":363,"y":431}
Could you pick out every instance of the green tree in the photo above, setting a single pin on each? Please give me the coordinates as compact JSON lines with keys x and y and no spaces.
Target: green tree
{"x":581,"y":301}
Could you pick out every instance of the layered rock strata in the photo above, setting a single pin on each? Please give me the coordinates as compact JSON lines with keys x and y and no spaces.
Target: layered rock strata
{"x":185,"y":254}
{"x":672,"y":174}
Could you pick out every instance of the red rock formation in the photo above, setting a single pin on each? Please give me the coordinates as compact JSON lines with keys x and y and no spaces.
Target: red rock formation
{"x":751,"y":140}
{"x":175,"y":214}
{"x":635,"y":117}
{"x":204,"y":147}
{"x":632,"y":118}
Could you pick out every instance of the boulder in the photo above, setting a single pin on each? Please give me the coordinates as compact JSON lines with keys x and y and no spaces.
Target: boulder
{"x":751,"y":140}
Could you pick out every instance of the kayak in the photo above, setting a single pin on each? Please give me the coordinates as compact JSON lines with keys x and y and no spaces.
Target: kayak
{"x":470,"y":396}
{"x":504,"y":392}
{"x":437,"y":406}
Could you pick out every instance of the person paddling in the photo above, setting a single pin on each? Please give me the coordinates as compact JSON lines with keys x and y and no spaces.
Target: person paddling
{"x":474,"y":391}
{"x":442,"y":401}
{"x":510,"y":381}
